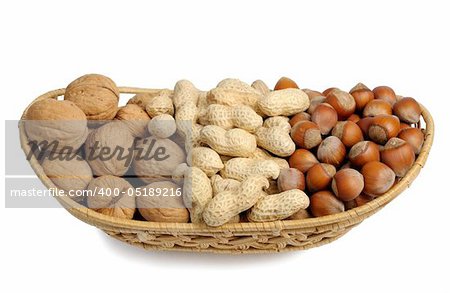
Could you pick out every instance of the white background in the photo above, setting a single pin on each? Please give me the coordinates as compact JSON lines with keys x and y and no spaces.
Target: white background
{"x":405,"y":44}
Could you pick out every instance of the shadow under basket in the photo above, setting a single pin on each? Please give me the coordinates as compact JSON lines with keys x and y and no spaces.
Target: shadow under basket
{"x":266,"y":237}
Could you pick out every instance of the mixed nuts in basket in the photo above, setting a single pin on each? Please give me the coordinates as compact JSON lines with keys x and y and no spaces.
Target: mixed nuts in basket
{"x":236,"y":153}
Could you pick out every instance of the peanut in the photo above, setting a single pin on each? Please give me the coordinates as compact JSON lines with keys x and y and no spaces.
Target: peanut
{"x":162,"y":126}
{"x":261,"y":87}
{"x":284,"y":102}
{"x":206,"y":159}
{"x":260,"y":153}
{"x":276,"y":140}
{"x":161,"y":104}
{"x":278,"y":206}
{"x":242,"y":168}
{"x":234,"y":142}
{"x":280,"y":121}
{"x":227,"y":204}
{"x":220,"y":184}
{"x":229,"y":117}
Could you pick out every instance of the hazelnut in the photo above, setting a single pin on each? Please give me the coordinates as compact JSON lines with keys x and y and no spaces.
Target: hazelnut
{"x":311,"y":93}
{"x":331,"y":151}
{"x":306,"y":134}
{"x":302,"y":160}
{"x":398,"y":155}
{"x":319,"y":177}
{"x":364,"y":124}
{"x":314,"y":102}
{"x":354,"y":118}
{"x":364,"y":152}
{"x":347,"y":184}
{"x":377,"y":107}
{"x":357,"y":202}
{"x":384,"y":127}
{"x":329,"y":90}
{"x":300,"y":215}
{"x":404,"y":126}
{"x":299,"y":117}
{"x":324,"y":203}
{"x":408,"y":110}
{"x":414,"y":137}
{"x":325,"y":117}
{"x":291,"y":179}
{"x":385,"y":93}
{"x":348,"y":132}
{"x":378,"y":178}
{"x":362,"y":95}
{"x":342,"y":102}
{"x":285,"y":83}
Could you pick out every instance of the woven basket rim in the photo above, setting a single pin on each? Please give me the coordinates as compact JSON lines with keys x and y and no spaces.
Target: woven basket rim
{"x":97,"y":219}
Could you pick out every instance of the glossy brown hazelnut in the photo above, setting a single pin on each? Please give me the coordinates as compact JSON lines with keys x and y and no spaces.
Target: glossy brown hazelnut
{"x":299,"y":117}
{"x":357,"y":202}
{"x":385,"y":93}
{"x":414,"y":137}
{"x":377,"y":107}
{"x":319,"y":177}
{"x":364,"y":124}
{"x":300,"y":215}
{"x":314,"y":102}
{"x":306,"y":134}
{"x":364,"y":152}
{"x":398,"y":155}
{"x":285,"y":83}
{"x":331,"y":151}
{"x":311,"y":93}
{"x":348,"y":132}
{"x":347,"y":184}
{"x":378,"y":178}
{"x":362,"y":96}
{"x":354,"y":118}
{"x":302,"y":160}
{"x":404,"y":126}
{"x":408,"y":110}
{"x":324,"y":203}
{"x":383,"y":127}
{"x":329,"y":90}
{"x":342,"y":102}
{"x":325,"y":117}
{"x":290,"y":178}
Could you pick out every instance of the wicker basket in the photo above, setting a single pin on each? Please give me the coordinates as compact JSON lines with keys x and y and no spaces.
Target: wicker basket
{"x":231,"y":238}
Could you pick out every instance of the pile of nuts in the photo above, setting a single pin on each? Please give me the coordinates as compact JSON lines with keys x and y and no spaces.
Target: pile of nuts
{"x":248,"y":154}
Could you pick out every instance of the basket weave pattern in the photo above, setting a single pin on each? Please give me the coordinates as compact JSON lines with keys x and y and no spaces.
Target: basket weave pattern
{"x":231,"y":238}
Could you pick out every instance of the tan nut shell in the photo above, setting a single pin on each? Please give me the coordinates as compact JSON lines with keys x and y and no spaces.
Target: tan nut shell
{"x":152,"y":210}
{"x":279,"y":121}
{"x":278,"y":206}
{"x":197,"y":192}
{"x":161,"y":104}
{"x":232,"y":92}
{"x":73,"y":174}
{"x":95,"y":94}
{"x":261,"y":87}
{"x":206,"y":159}
{"x":229,"y":117}
{"x":220,"y":184}
{"x":234,"y":142}
{"x":134,"y":118}
{"x":242,"y":168}
{"x":276,"y":140}
{"x":121,"y":206}
{"x":149,"y":169}
{"x":284,"y":102}
{"x":61,"y":121}
{"x":114,"y":135}
{"x":162,"y":126}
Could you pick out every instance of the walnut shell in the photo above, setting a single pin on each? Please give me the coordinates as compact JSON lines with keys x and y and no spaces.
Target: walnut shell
{"x":115,"y":138}
{"x":96,"y":95}
{"x":163,"y":209}
{"x":135,"y":119}
{"x":156,"y":158}
{"x":58,"y":122}
{"x":71,"y":174}
{"x":112,"y":196}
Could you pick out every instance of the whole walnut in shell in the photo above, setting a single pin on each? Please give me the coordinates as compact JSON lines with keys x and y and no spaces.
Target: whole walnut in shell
{"x":156,"y":158}
{"x":68,"y":174}
{"x":112,"y":196}
{"x":96,"y":95}
{"x":109,"y":149}
{"x":60,"y":123}
{"x":161,"y":208}
{"x":135,"y":119}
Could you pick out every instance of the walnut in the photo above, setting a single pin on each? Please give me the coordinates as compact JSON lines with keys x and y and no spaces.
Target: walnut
{"x":96,"y":95}
{"x":69,"y":174}
{"x":112,"y":196}
{"x":135,"y":119}
{"x":156,"y":158}
{"x":59,"y":122}
{"x":163,"y":205}
{"x":109,"y":149}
